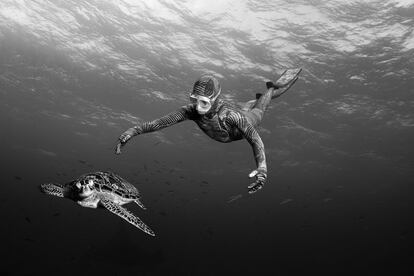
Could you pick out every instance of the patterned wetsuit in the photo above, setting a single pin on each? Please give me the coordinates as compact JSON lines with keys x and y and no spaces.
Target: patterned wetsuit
{"x":221,"y":120}
{"x":224,"y":123}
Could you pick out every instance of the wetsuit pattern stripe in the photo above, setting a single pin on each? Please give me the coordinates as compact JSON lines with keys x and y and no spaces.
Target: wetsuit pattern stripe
{"x":170,"y":119}
{"x":235,"y":119}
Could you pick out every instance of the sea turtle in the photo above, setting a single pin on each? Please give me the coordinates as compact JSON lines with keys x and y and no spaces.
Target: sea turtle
{"x":105,"y":189}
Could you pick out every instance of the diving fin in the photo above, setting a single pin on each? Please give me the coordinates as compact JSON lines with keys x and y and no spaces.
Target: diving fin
{"x":279,"y":92}
{"x":287,"y":77}
{"x":284,"y":82}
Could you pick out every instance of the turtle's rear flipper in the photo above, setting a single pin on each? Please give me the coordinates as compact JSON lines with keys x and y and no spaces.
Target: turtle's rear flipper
{"x":126,"y":215}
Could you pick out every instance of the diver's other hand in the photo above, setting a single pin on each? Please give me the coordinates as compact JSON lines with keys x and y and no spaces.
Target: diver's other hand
{"x":118,"y":148}
{"x":261,"y":176}
{"x":124,"y":138}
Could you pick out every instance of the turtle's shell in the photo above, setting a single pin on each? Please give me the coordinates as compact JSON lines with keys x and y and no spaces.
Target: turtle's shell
{"x":109,"y":182}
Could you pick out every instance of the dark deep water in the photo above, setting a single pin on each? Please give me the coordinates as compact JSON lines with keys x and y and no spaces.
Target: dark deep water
{"x":339,"y":144}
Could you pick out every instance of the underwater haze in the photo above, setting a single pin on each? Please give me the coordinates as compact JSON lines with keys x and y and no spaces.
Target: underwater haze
{"x":339,"y":145}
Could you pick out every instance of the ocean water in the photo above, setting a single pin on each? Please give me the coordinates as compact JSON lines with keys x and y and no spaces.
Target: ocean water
{"x":75,"y":74}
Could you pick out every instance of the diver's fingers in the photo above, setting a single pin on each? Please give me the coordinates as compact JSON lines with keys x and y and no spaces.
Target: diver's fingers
{"x":253,"y":173}
{"x":255,"y":188}
{"x":252,"y":191}
{"x":253,"y":184}
{"x":124,"y":137}
{"x":118,"y":148}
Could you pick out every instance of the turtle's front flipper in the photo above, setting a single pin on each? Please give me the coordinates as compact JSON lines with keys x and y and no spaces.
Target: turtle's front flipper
{"x":126,"y":215}
{"x":52,"y":189}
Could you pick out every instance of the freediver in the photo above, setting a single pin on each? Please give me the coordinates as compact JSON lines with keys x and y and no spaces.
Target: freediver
{"x":223,"y":121}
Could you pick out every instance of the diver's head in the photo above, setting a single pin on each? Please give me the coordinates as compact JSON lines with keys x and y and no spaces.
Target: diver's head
{"x":205,"y":92}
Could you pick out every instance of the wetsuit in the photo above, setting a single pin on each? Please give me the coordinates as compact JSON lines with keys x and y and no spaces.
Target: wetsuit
{"x":225,"y":123}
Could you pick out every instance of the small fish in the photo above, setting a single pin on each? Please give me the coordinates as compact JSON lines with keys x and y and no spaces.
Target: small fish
{"x":28,"y":219}
{"x":286,"y":201}
{"x":204,"y":184}
{"x":47,"y":153}
{"x":17,"y":177}
{"x":163,"y":214}
{"x":234,"y":198}
{"x":56,"y":214}
{"x":82,"y":161}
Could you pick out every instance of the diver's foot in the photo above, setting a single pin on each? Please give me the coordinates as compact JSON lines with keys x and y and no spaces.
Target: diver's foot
{"x":270,"y":84}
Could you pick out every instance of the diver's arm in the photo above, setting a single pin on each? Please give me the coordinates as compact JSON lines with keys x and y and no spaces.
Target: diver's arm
{"x":180,"y":115}
{"x":163,"y":122}
{"x":252,"y":136}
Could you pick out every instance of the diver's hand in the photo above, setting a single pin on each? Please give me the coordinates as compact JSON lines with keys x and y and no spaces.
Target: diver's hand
{"x":261,"y":176}
{"x":124,"y":138}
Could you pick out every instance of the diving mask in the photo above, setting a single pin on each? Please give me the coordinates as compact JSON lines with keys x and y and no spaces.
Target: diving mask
{"x":205,"y":91}
{"x":203,"y":103}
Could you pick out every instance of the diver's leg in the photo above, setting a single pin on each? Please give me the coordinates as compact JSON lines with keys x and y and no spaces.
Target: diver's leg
{"x":256,"y":112}
{"x":255,"y":109}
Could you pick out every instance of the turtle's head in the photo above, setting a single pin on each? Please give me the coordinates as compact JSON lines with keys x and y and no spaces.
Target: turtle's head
{"x":84,"y":188}
{"x":52,"y":189}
